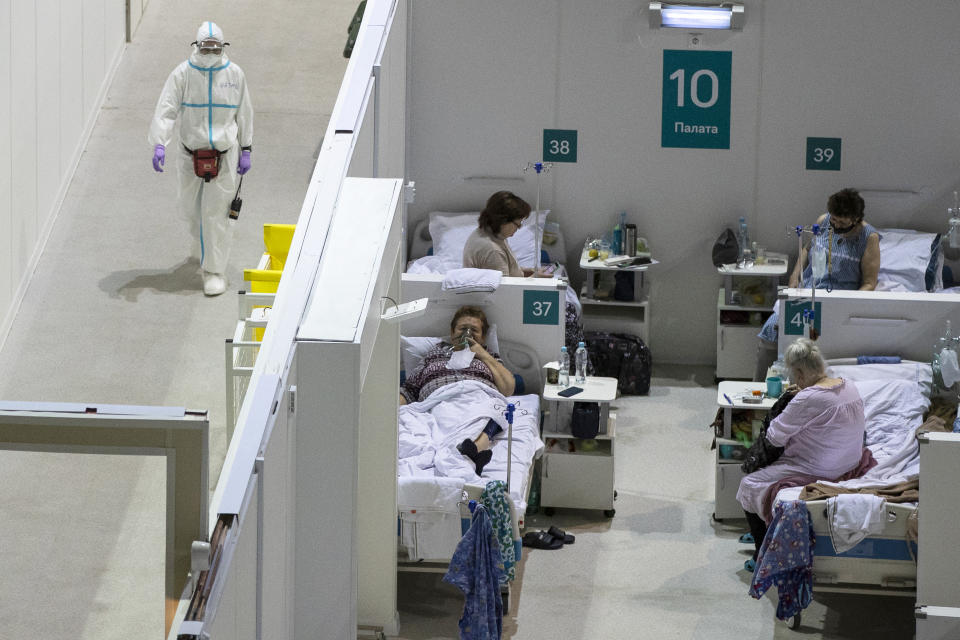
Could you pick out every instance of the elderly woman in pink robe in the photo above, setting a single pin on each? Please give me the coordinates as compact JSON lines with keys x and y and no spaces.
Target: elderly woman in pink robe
{"x":821,"y":431}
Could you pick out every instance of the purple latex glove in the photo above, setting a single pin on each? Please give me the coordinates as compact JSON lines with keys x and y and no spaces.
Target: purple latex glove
{"x":244,"y":165}
{"x":159,"y":155}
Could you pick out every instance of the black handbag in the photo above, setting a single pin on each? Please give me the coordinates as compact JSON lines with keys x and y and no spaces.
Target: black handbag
{"x":762,"y":452}
{"x":585,"y":421}
{"x":726,"y":249}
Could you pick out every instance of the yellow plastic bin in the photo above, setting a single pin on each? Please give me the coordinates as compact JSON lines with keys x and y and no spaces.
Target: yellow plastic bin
{"x":266,"y":277}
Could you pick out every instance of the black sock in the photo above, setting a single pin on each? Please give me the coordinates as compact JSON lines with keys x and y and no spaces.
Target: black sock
{"x":468,"y":448}
{"x":483,"y":457}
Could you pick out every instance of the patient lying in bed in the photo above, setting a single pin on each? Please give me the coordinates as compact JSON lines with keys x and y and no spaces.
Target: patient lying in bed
{"x":464,"y":358}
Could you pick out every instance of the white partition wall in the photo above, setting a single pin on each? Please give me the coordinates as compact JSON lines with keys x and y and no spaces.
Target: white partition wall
{"x":310,"y":473}
{"x":58,"y":61}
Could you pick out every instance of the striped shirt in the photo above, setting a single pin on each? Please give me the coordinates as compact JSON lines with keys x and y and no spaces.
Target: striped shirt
{"x":433,"y":374}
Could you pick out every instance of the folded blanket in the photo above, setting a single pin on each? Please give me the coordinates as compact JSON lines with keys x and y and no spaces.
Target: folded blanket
{"x":908,"y":491}
{"x":878,"y":359}
{"x":468,"y":279}
{"x":866,"y":463}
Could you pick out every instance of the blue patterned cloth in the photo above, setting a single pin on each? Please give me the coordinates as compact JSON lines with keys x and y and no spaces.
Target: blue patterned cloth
{"x":476,"y":568}
{"x":494,"y":498}
{"x":786,"y":559}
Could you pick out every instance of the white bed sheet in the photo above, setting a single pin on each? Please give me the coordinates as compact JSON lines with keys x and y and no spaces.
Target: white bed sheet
{"x":895,"y":397}
{"x":430,"y":430}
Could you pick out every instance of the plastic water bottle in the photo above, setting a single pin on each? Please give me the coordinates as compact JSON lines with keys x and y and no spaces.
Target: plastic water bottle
{"x":564,"y":367}
{"x":743,"y":237}
{"x":581,"y":358}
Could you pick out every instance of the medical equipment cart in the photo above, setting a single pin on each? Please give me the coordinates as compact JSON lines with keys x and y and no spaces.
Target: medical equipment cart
{"x":730,"y":452}
{"x":741,"y":314}
{"x":607,"y":314}
{"x":575,"y":474}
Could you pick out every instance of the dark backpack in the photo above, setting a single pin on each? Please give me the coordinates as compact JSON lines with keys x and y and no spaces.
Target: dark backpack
{"x":726,"y":249}
{"x":762,"y":452}
{"x":622,"y":356}
{"x":585,"y":420}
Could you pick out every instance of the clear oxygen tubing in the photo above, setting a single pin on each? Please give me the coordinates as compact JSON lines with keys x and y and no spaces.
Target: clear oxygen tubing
{"x":540,"y":168}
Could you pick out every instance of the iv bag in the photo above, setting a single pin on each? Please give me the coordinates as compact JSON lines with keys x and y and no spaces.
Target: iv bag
{"x":953,"y":235}
{"x":818,"y":262}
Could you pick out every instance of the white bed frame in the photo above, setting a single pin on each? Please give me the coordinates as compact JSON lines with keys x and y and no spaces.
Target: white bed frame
{"x":854,"y":323}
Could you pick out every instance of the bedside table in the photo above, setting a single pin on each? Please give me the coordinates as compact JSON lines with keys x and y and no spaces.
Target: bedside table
{"x":729,"y":452}
{"x":579,"y":477}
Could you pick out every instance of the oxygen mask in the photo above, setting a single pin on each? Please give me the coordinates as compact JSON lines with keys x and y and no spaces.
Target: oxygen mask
{"x":463,"y":339}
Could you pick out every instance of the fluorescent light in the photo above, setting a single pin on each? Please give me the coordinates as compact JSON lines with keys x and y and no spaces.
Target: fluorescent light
{"x":690,"y":16}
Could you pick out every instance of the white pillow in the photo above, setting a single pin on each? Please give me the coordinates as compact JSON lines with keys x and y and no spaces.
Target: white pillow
{"x":450,"y":231}
{"x":920,"y":373}
{"x":413,"y":349}
{"x":904,"y":257}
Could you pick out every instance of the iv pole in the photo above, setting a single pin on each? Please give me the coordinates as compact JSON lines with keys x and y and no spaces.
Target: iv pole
{"x":540,"y":168}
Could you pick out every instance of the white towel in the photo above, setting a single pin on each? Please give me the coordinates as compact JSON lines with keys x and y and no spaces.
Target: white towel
{"x":468,"y":279}
{"x":852,"y":517}
{"x":461,"y":359}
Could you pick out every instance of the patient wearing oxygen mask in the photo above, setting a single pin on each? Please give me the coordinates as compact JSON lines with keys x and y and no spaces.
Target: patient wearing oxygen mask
{"x":465,"y":357}
{"x":845,"y":255}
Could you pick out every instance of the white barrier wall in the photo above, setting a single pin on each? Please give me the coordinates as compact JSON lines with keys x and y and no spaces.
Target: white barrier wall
{"x":486,"y":78}
{"x":58,"y":60}
{"x":310,"y":470}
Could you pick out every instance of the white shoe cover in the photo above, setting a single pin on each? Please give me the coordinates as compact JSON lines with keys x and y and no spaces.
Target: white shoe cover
{"x":213,"y":284}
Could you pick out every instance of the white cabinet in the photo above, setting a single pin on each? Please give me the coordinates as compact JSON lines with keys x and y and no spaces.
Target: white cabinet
{"x":743,"y":305}
{"x":577,"y":473}
{"x":734,"y":396}
{"x":601,"y":312}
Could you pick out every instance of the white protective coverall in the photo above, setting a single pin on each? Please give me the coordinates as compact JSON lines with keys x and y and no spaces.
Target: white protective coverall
{"x":209,"y":93}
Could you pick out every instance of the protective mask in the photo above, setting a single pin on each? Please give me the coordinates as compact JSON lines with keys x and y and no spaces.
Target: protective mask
{"x":208,"y":59}
{"x":842,"y":230}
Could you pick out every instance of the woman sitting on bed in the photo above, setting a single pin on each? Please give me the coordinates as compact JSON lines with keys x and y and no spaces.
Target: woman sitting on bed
{"x":821,"y":431}
{"x":465,"y":358}
{"x":853,"y":247}
{"x":487,"y":248}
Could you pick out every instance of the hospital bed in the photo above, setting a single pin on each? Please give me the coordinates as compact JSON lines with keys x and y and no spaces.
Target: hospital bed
{"x":895,"y":398}
{"x":433,"y":510}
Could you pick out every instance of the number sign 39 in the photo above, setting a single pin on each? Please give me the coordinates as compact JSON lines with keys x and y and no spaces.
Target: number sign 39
{"x":541,"y":307}
{"x":823,"y":154}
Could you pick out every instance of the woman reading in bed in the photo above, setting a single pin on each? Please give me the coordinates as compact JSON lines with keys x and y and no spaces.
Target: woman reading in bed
{"x":852,"y":247}
{"x":464,"y":358}
{"x":821,"y":431}
{"x":487,"y":248}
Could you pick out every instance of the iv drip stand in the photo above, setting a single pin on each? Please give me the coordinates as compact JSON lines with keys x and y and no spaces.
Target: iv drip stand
{"x":539,"y":167}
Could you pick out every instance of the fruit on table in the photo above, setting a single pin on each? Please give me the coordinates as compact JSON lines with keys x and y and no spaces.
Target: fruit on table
{"x":593,"y":253}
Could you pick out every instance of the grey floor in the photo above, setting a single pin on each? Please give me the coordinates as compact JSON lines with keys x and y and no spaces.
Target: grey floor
{"x":114,"y":314}
{"x":661,"y":568}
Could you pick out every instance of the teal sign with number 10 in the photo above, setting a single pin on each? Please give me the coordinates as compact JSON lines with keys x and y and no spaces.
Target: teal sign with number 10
{"x":793,"y":317}
{"x":541,"y":307}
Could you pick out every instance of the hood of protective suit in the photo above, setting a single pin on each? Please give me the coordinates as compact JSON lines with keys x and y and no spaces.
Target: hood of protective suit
{"x":205,"y":31}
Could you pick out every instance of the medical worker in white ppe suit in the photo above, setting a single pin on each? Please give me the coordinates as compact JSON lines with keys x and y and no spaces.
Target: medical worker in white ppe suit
{"x":209,"y":94}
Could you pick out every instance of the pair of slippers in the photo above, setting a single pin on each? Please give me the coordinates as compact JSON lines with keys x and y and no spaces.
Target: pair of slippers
{"x":480,"y":459}
{"x":552,"y":538}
